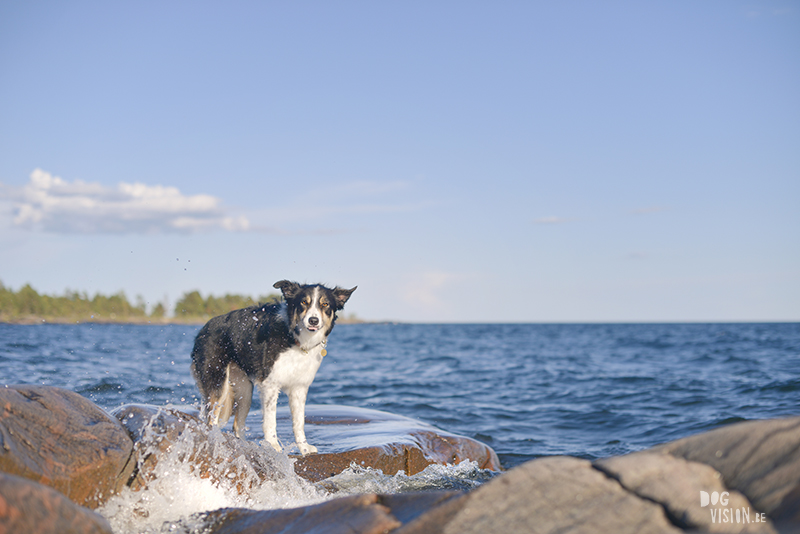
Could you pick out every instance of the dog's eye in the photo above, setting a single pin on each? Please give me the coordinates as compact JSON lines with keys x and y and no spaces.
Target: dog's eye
{"x":324,"y":304}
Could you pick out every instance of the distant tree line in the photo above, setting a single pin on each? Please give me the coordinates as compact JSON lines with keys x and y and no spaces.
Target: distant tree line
{"x":27,"y":305}
{"x":193,"y":306}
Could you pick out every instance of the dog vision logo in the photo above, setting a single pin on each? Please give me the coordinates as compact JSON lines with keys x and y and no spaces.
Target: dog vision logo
{"x":723,"y":514}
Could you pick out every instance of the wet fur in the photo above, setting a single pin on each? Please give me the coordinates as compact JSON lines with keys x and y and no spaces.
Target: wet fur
{"x":276,"y":347}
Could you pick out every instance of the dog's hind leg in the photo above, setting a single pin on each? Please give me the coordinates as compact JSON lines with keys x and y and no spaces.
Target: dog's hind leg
{"x":269,"y":391}
{"x":221,"y":403}
{"x":242,"y":394}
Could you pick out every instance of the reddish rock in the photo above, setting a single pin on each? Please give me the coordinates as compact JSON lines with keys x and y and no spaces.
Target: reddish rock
{"x":425,"y":512}
{"x":380,"y":440}
{"x":62,"y":440}
{"x":359,"y":514}
{"x":26,"y":506}
{"x":410,"y":513}
{"x":368,"y":438}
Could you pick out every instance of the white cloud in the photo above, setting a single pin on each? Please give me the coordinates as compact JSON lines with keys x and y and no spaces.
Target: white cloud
{"x":52,"y":204}
{"x":425,"y":289}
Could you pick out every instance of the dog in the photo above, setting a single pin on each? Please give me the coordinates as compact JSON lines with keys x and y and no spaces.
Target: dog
{"x":277,"y":347}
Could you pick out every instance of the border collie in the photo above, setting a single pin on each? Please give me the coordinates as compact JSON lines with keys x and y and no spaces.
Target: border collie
{"x":277,"y":347}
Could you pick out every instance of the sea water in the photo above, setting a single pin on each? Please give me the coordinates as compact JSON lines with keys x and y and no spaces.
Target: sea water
{"x":526,"y":390}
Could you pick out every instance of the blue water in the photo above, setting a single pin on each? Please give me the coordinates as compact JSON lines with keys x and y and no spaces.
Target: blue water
{"x":526,"y":390}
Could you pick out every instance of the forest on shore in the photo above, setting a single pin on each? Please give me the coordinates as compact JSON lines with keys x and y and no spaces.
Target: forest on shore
{"x":29,"y":306}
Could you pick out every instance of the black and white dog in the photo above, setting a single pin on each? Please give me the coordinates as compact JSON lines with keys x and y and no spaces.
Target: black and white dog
{"x":277,"y":347}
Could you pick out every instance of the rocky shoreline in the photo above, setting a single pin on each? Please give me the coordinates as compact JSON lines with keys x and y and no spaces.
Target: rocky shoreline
{"x":62,"y":457}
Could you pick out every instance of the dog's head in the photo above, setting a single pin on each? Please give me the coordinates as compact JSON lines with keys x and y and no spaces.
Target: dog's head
{"x":312,"y":308}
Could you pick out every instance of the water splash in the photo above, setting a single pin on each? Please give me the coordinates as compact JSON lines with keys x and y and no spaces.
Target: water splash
{"x":202,"y":471}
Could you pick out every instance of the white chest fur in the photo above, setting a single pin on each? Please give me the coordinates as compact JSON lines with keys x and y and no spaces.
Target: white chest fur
{"x":296,"y":368}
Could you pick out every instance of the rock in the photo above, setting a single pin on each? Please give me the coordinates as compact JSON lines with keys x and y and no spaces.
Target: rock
{"x":62,"y":440}
{"x":761,"y":459}
{"x":675,"y":484}
{"x":427,"y":510}
{"x":657,"y":490}
{"x":361,"y":514}
{"x":368,"y":438}
{"x":380,"y":440}
{"x":26,"y":506}
{"x":555,"y":494}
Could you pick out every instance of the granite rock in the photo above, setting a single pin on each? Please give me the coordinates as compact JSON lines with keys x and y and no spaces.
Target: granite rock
{"x":27,"y":506}
{"x":752,"y":465}
{"x":760,"y":459}
{"x":556,"y":494}
{"x":62,"y":440}
{"x":361,"y":514}
{"x":380,"y":440}
{"x":675,"y":484}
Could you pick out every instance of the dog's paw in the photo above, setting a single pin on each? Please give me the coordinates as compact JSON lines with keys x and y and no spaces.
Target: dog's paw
{"x":306,"y":449}
{"x":275,"y":445}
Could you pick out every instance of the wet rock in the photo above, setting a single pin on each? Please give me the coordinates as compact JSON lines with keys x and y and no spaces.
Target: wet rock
{"x":157,"y":431}
{"x":439,"y":510}
{"x":359,"y":514}
{"x":62,"y":440}
{"x":428,"y":509}
{"x":362,"y":514}
{"x":26,"y":506}
{"x":380,"y":440}
{"x":366,"y":438}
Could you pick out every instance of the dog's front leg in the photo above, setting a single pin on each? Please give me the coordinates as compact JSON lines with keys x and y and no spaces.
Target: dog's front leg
{"x":269,"y":409}
{"x":297,"y":403}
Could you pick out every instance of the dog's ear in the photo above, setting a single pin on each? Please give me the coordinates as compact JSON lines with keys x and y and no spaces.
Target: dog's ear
{"x":289,"y":289}
{"x":342,"y":295}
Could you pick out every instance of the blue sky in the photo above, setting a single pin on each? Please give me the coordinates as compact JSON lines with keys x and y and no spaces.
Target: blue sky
{"x":458,"y":161}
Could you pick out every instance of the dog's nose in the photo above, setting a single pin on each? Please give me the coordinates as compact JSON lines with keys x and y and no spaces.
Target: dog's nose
{"x":313,"y":321}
